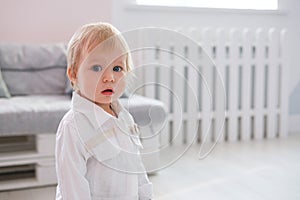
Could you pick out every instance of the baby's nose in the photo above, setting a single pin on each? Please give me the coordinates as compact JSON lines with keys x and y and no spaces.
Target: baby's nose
{"x":108,"y":77}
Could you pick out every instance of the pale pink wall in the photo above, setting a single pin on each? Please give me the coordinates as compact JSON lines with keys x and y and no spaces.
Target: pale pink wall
{"x":48,"y":21}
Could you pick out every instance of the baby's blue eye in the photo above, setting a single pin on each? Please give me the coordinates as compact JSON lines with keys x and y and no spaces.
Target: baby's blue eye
{"x":117,"y":68}
{"x":96,"y":68}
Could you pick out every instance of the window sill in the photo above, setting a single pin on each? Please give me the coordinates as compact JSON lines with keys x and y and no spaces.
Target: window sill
{"x":134,"y":7}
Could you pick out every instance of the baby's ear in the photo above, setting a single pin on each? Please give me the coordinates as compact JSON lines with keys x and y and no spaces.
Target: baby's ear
{"x":71,"y":74}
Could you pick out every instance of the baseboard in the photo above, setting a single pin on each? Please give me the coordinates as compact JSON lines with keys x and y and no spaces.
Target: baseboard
{"x":294,"y":123}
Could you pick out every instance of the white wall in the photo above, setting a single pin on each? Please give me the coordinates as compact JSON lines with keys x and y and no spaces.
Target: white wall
{"x":39,"y":21}
{"x":293,"y":24}
{"x":126,"y":17}
{"x":35,"y":21}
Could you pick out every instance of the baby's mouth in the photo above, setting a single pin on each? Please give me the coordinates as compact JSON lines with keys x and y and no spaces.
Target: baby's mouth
{"x":107,"y":92}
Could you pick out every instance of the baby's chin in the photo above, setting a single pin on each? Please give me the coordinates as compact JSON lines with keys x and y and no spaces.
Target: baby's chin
{"x":106,"y":99}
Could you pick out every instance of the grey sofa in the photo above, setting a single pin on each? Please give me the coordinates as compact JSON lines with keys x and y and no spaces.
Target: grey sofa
{"x":34,"y":96}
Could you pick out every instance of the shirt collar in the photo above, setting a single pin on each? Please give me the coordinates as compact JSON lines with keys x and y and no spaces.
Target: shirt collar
{"x":96,"y":115}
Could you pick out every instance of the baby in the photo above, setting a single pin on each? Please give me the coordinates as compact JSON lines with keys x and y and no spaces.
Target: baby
{"x":97,"y":143}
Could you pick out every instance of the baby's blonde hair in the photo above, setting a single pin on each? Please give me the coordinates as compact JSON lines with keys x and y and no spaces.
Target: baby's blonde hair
{"x":86,"y":38}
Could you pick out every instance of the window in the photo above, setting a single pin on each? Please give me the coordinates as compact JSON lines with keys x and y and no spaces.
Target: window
{"x":227,"y":4}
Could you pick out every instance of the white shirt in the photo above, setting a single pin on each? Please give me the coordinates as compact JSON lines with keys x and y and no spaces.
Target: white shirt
{"x":97,"y":155}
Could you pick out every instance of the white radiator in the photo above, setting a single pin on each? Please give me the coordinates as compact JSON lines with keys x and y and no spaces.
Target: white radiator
{"x":217,"y":84}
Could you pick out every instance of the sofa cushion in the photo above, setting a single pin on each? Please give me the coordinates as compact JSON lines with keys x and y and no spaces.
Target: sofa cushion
{"x":3,"y":89}
{"x":36,"y":114}
{"x":23,"y":115}
{"x":34,"y":69}
{"x":145,"y":111}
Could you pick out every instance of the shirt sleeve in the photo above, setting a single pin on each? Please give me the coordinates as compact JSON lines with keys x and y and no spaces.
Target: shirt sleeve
{"x":145,"y":187}
{"x":71,"y":165}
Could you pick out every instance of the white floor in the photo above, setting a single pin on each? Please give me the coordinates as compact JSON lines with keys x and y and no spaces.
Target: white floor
{"x":266,"y":170}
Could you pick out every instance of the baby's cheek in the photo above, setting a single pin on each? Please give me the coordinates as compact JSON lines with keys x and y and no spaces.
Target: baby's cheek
{"x":120,"y":86}
{"x":91,"y":85}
